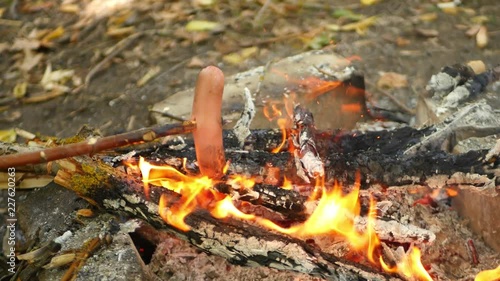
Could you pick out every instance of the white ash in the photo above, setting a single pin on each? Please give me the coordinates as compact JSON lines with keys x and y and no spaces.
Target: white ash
{"x":441,"y":83}
{"x":124,"y":157}
{"x":130,"y":226}
{"x":242,"y":127}
{"x":494,"y":152}
{"x":453,"y":100}
{"x":313,"y":165}
{"x":61,"y":239}
{"x":132,"y":198}
{"x":111,"y":203}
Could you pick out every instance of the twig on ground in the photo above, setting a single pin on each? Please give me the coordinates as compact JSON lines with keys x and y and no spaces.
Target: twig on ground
{"x":118,"y":48}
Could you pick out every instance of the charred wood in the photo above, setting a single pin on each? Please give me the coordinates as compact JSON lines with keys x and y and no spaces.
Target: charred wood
{"x":240,"y":243}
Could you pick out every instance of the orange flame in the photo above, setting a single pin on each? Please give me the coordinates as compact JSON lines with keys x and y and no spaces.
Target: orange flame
{"x":271,"y":112}
{"x":410,"y":266}
{"x":287,"y":184}
{"x":335,"y":213}
{"x":488,"y":275}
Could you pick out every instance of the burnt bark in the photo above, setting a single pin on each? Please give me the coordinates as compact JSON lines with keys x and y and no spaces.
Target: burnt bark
{"x":378,"y":156}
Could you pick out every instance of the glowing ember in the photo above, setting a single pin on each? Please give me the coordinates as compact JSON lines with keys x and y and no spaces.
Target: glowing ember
{"x":488,"y":275}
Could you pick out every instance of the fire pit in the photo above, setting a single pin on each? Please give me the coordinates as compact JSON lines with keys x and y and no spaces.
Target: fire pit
{"x":371,"y":202}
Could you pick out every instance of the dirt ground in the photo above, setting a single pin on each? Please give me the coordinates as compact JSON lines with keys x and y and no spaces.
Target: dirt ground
{"x":414,"y":38}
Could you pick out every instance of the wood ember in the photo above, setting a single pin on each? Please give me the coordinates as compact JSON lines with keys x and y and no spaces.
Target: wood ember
{"x":309,"y":164}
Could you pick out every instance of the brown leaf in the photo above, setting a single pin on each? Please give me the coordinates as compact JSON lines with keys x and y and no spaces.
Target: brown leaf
{"x":196,"y":62}
{"x":30,"y":60}
{"x":25,"y":43}
{"x":389,"y":80}
{"x":402,"y":42}
{"x":427,"y":32}
{"x":473,"y":30}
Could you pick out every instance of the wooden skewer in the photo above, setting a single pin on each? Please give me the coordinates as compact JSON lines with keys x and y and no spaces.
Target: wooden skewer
{"x":94,"y":145}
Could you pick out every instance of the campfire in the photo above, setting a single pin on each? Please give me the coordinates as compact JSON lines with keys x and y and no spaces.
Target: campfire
{"x":346,"y":204}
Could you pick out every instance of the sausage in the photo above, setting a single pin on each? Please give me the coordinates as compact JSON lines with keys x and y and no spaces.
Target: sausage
{"x":207,"y":106}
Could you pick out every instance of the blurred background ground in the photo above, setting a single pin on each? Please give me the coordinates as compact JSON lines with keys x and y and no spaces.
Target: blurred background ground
{"x":48,"y":49}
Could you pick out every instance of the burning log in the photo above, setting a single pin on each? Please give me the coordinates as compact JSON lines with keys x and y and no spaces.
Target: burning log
{"x":238,"y":242}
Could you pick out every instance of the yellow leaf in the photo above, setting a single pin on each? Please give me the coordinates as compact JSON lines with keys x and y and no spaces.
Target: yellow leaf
{"x":54,"y":34}
{"x":369,"y":2}
{"x":428,"y":17}
{"x":202,"y":25}
{"x":69,"y":8}
{"x":20,"y":90}
{"x":360,"y":26}
{"x":482,"y":37}
{"x":120,"y":31}
{"x":8,"y":135}
{"x":238,"y":57}
{"x":479,"y":19}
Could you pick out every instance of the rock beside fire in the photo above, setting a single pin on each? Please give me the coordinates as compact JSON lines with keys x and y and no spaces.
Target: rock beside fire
{"x":326,"y":84}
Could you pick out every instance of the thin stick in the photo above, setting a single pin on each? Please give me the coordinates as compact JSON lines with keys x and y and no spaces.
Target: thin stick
{"x":120,"y":46}
{"x":94,"y":145}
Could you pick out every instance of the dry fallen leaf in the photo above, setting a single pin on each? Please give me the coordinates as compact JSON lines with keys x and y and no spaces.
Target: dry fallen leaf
{"x":360,"y":27}
{"x":428,"y":17}
{"x":479,"y":19}
{"x":69,"y":8}
{"x":477,"y":66}
{"x":25,"y":43}
{"x":30,"y":60}
{"x":427,"y":32}
{"x":482,"y":37}
{"x":473,"y":30}
{"x":402,"y":42}
{"x":152,"y":72}
{"x":369,"y":2}
{"x":114,"y":31}
{"x":54,"y":34}
{"x":8,"y":135}
{"x":391,"y":80}
{"x":448,"y":7}
{"x":195,"y":62}
{"x":202,"y":3}
{"x":203,"y":25}
{"x":239,"y":57}
{"x":55,"y":79}
{"x":20,"y":90}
